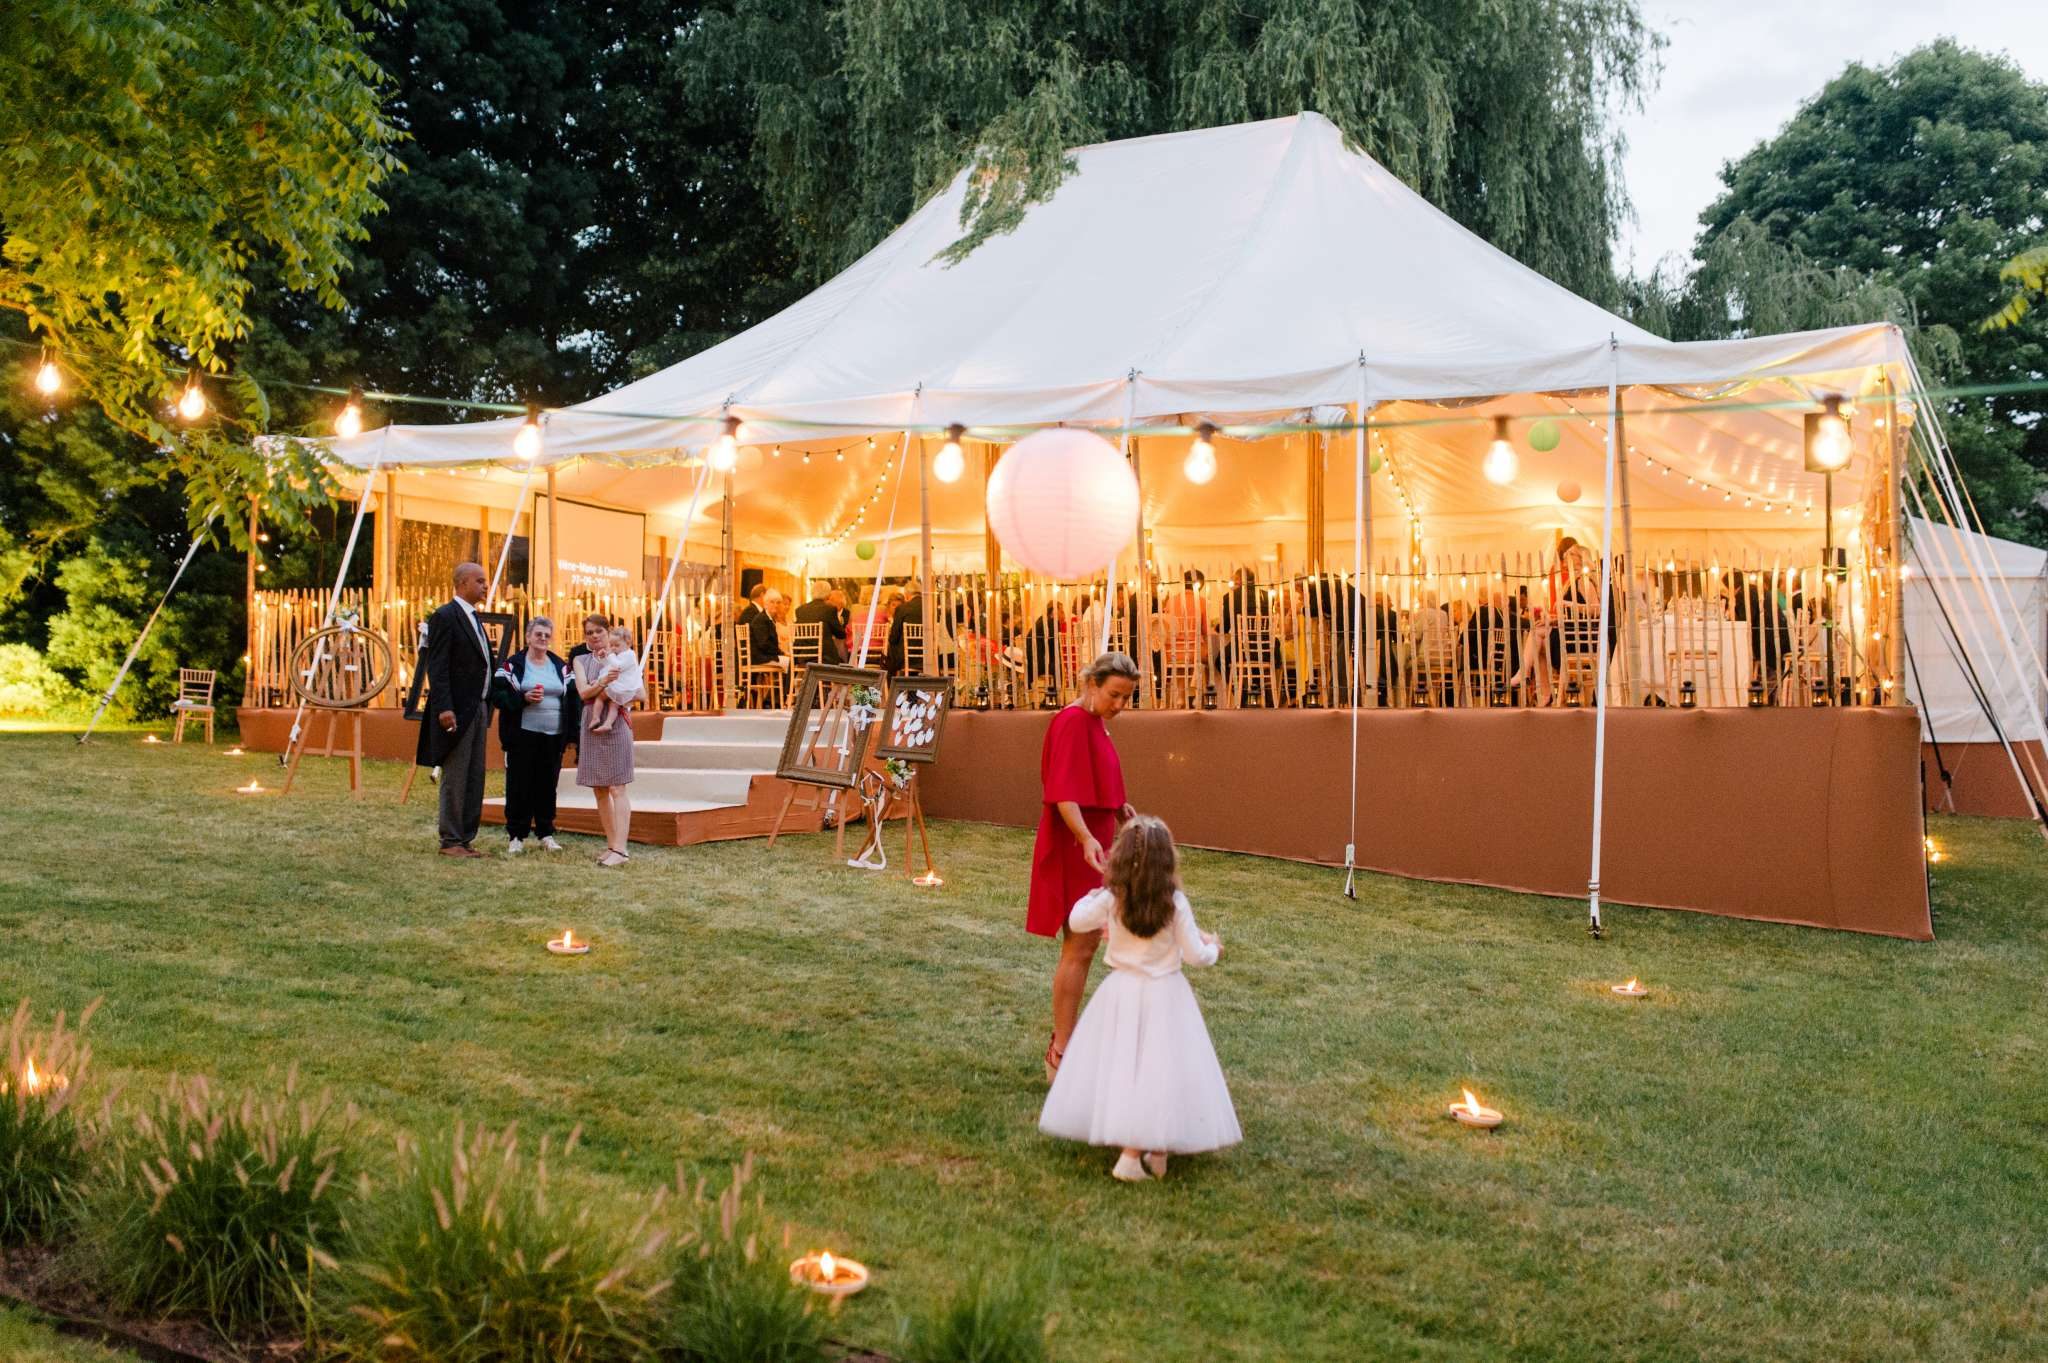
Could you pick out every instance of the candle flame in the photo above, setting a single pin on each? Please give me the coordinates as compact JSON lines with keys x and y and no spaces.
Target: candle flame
{"x":1471,"y":1103}
{"x":568,"y":938}
{"x":826,"y":1268}
{"x":1631,"y":986}
{"x":30,"y":1080}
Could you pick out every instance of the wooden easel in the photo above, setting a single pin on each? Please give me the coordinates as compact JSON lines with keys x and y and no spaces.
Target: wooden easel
{"x":353,"y":752}
{"x":831,"y":801}
{"x":908,"y":805}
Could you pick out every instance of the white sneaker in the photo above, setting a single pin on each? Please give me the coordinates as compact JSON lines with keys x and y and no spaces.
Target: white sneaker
{"x":550,"y":844}
{"x":514,"y":848}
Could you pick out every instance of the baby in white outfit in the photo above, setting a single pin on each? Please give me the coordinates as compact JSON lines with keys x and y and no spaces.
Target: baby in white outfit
{"x":623,"y":689}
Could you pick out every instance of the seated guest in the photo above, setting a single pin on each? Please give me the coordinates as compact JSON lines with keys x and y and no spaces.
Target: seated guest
{"x":872,"y":622}
{"x":822,"y":610}
{"x":911,"y":612}
{"x":537,"y":719}
{"x":760,"y":627}
{"x":753,"y":606}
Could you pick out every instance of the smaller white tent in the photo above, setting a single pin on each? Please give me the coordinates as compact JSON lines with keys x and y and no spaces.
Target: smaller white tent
{"x":1941,"y":559}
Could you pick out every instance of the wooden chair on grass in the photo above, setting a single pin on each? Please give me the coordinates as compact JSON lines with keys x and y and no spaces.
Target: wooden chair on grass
{"x":195,"y":700}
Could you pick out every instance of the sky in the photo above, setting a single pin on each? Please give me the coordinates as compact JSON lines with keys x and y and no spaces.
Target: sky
{"x":1735,"y":71}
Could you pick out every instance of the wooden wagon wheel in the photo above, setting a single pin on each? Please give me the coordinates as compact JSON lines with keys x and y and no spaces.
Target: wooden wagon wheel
{"x":342,"y":667}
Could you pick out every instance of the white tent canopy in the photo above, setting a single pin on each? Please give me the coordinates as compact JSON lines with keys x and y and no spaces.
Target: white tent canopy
{"x":1937,"y":681}
{"x":1258,"y":271}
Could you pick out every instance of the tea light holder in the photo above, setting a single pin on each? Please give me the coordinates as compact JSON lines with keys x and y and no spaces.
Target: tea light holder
{"x":567,"y":945}
{"x":151,"y":739}
{"x":930,"y":880}
{"x":829,"y":1275}
{"x":235,"y":751}
{"x":1472,"y":1113}
{"x":255,"y":787}
{"x":1632,"y":989}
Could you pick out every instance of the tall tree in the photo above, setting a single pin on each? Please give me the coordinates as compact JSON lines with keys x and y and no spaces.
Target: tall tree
{"x":1500,"y":111}
{"x":1926,"y":176}
{"x":158,"y":155}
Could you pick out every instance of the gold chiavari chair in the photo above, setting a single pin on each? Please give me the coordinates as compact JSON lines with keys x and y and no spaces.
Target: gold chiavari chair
{"x":195,"y":700}
{"x":1253,"y":668}
{"x":1578,"y":670}
{"x":766,"y":683}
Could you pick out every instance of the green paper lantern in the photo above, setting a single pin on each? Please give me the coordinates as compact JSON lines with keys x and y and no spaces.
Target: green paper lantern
{"x":1543,"y":436}
{"x":864,"y":550}
{"x":1375,"y":463}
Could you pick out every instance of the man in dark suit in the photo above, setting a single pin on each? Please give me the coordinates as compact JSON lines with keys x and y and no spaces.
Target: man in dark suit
{"x":819,"y":610}
{"x":761,"y":627}
{"x":753,"y":606}
{"x":453,"y":737}
{"x":911,"y":612}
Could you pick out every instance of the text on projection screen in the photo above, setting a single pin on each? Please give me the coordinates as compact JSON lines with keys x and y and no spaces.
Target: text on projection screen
{"x":600,"y":550}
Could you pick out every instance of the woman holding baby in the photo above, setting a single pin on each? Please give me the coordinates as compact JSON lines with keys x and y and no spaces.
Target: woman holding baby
{"x":604,"y":748}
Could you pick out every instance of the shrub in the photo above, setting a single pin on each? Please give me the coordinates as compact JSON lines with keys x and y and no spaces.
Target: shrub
{"x":466,"y":1258}
{"x":29,"y":686}
{"x":991,"y":1318}
{"x":217,"y":1209}
{"x":44,"y":1146}
{"x":732,"y":1303}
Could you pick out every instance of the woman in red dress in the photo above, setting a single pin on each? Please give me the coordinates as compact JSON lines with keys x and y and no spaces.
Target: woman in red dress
{"x":1084,"y":800}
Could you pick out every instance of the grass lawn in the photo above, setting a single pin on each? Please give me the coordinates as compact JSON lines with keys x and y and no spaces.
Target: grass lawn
{"x":25,"y":1339}
{"x":1802,"y":1146}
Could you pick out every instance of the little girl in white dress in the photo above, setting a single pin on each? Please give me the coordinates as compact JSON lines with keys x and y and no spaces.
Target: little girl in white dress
{"x":624,"y":688}
{"x":1139,"y":1072}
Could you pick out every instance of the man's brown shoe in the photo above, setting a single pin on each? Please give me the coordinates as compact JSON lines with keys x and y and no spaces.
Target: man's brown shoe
{"x":460,"y":852}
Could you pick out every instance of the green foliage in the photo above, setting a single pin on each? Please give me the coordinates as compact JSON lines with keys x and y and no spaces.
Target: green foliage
{"x":155,"y":152}
{"x":990,"y":1318}
{"x":466,"y":1256}
{"x":219,"y":1209}
{"x":44,"y":1144}
{"x":1925,"y":177}
{"x":1500,"y":111}
{"x":28,"y":686}
{"x":733,"y":1304}
{"x":2028,"y":271}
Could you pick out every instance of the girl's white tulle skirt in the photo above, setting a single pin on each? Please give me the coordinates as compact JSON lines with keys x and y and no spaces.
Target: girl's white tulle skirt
{"x":1139,"y":1072}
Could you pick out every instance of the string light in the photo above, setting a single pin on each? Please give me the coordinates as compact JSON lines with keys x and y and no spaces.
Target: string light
{"x":951,"y":462}
{"x":526,"y":444}
{"x":349,"y":422}
{"x":1201,"y":462}
{"x":49,"y":379}
{"x":725,"y":454}
{"x":192,"y":402}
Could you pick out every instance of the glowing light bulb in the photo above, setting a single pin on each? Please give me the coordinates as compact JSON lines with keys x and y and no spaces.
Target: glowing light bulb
{"x":49,"y":379}
{"x":349,"y":423}
{"x":1828,"y":446}
{"x":192,"y":402}
{"x":1201,"y":462}
{"x":725,"y":455}
{"x":1501,"y":463}
{"x":951,"y":462}
{"x":526,"y":444}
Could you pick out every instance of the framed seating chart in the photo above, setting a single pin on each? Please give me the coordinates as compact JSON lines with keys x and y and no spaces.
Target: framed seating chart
{"x":914,"y":717}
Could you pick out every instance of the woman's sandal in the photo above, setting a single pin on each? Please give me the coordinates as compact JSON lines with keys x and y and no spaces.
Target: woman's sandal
{"x":1053,"y":1056}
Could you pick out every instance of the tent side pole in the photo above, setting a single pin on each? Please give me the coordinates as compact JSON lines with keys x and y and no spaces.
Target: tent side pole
{"x":249,"y":607}
{"x":1593,"y":923}
{"x":927,"y":662}
{"x":554,"y":551}
{"x":729,"y":558}
{"x":1894,"y":614}
{"x":1359,"y":628}
{"x":1630,"y":608}
{"x":1141,"y":600}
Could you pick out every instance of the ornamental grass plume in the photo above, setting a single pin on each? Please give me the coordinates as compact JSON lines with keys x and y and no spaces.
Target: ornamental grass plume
{"x":732,"y":1303}
{"x":465,"y":1256}
{"x":990,"y":1318}
{"x":45,"y":1144}
{"x":220,"y":1209}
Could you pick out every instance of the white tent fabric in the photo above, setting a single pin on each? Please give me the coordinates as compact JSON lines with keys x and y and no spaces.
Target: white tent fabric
{"x":1939,"y":558}
{"x":1252,"y":268}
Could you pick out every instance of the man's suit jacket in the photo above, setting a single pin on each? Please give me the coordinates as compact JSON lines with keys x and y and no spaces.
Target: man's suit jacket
{"x":911,"y":612}
{"x":458,"y":669}
{"x":822,"y":612}
{"x":767,"y":643}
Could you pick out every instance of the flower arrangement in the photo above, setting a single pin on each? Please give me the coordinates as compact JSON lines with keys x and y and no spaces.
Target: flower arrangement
{"x":899,"y":772}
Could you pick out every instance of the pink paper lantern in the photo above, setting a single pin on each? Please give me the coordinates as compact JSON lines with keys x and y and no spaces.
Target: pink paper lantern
{"x":1567,"y":491}
{"x":1063,"y":503}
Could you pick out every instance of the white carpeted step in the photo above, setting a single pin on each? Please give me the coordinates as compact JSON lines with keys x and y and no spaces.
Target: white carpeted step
{"x":743,"y":756}
{"x":741,"y":726}
{"x":696,"y":785}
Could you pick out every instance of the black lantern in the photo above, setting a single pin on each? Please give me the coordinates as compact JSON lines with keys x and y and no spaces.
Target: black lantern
{"x":1756,"y":693}
{"x":1688,"y":696}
